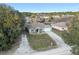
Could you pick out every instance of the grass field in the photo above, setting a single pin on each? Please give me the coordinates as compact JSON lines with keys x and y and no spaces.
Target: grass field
{"x":41,"y":42}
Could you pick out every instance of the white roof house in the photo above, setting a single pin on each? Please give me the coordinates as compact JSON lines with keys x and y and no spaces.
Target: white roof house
{"x":39,"y":28}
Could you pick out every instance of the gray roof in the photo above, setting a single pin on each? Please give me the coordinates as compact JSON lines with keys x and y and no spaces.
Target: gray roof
{"x":38,"y":25}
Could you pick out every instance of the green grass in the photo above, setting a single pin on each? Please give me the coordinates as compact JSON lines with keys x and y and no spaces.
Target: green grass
{"x":64,"y":36}
{"x":60,"y":33}
{"x":41,"y":42}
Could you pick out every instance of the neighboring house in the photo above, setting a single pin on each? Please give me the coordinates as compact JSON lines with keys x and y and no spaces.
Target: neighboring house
{"x":61,"y":26}
{"x":27,"y":19}
{"x":62,"y":18}
{"x":46,"y":18}
{"x":67,"y":15}
{"x":42,"y":17}
{"x":38,"y":28}
{"x":56,"y":18}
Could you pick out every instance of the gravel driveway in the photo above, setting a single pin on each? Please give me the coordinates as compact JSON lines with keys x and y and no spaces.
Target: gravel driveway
{"x":24,"y":47}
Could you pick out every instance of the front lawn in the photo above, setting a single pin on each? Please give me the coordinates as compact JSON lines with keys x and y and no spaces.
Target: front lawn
{"x":41,"y":42}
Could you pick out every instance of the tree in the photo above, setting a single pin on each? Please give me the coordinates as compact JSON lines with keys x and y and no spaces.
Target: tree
{"x":72,"y":35}
{"x":75,"y":50}
{"x":11,"y":24}
{"x":73,"y":29}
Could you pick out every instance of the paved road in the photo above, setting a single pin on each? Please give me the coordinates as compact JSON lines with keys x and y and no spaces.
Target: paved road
{"x":63,"y":49}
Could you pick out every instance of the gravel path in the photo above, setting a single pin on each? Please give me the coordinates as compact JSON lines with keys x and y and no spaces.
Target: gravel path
{"x":24,"y":47}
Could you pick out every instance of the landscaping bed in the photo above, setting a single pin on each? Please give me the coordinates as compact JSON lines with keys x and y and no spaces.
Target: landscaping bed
{"x":41,"y":42}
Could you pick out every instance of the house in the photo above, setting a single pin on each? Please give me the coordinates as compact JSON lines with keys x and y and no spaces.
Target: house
{"x":62,"y":23}
{"x":61,"y":26}
{"x":56,"y":16}
{"x":38,"y":28}
{"x":67,"y":16}
{"x":42,"y":17}
{"x":28,"y":19}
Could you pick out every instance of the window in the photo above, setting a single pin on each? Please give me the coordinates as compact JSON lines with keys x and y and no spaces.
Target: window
{"x":36,"y":30}
{"x":32,"y":30}
{"x":63,"y":28}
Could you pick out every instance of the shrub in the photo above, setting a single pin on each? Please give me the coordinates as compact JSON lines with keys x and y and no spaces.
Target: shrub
{"x":75,"y":50}
{"x":11,"y":24}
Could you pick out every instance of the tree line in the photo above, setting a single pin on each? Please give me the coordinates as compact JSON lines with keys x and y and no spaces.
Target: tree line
{"x":11,"y":25}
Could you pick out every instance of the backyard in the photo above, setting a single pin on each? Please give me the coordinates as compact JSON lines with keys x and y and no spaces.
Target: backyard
{"x":41,"y":42}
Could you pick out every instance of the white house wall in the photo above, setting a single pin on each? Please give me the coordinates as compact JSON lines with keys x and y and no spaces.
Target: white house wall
{"x":47,"y":29}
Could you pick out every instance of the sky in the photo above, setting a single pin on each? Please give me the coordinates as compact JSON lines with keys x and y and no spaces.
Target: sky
{"x":45,"y":7}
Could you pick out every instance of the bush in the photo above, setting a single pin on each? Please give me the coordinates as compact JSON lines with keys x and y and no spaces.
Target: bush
{"x":11,"y":24}
{"x":75,"y":50}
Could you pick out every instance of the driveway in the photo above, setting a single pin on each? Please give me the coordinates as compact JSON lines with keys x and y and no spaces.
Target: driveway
{"x":24,"y":47}
{"x":63,"y":48}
